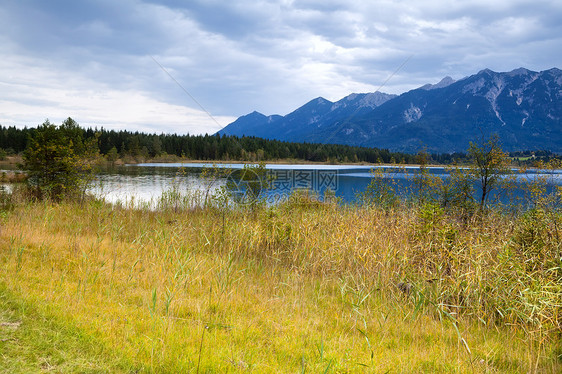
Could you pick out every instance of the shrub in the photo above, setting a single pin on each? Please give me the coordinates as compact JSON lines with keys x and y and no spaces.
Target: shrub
{"x":382,"y":192}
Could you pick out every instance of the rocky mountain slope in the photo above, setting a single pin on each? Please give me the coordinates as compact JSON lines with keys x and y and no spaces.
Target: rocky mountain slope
{"x":523,"y":107}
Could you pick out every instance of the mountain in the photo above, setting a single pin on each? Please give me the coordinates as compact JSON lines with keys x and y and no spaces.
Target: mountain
{"x":307,"y":119}
{"x":255,"y":124}
{"x":447,"y":81}
{"x":523,"y":107}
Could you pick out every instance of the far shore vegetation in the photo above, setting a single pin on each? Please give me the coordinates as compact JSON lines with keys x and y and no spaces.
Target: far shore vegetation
{"x":440,"y":280}
{"x":125,"y":147}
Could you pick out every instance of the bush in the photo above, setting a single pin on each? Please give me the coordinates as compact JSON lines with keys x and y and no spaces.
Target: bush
{"x":381,"y":192}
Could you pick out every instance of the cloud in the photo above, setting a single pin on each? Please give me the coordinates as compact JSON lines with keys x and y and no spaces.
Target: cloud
{"x":93,"y":57}
{"x":40,"y":93}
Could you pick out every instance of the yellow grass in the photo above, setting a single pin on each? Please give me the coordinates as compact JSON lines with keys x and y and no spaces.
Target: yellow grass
{"x":293,"y":288}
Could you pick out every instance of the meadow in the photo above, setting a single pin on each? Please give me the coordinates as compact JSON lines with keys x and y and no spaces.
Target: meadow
{"x":303,"y":286}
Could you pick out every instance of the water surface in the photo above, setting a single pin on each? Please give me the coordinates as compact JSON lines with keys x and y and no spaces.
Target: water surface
{"x":145,"y":183}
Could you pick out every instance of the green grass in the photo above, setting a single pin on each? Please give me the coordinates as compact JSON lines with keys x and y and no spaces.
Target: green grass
{"x":37,"y":342}
{"x":295,"y":288}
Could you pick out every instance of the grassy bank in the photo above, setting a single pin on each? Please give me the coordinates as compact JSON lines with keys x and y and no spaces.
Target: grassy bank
{"x":301,"y":287}
{"x":33,"y":341}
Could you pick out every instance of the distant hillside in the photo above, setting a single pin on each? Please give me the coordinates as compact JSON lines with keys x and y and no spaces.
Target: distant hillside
{"x":523,"y":107}
{"x":298,"y":125}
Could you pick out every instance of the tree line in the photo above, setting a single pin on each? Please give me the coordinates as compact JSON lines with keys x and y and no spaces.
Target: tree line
{"x":116,"y":144}
{"x":123,"y":143}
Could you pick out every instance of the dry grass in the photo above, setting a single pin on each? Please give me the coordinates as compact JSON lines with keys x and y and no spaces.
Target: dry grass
{"x":297,"y":287}
{"x":12,"y":177}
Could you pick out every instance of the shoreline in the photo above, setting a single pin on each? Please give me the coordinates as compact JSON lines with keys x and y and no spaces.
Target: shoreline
{"x":275,"y":162}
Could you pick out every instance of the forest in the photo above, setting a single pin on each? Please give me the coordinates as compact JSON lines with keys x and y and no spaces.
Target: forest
{"x":138,"y":146}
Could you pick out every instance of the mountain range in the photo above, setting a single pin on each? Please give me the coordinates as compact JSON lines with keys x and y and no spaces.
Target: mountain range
{"x":523,"y":107}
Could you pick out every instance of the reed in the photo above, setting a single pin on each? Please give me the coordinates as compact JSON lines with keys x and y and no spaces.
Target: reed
{"x":302,"y":286}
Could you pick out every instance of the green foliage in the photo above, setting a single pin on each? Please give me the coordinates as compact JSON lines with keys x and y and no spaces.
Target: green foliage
{"x":57,"y":161}
{"x":541,"y":190}
{"x":489,"y":166}
{"x":245,"y":148}
{"x":382,"y":191}
{"x":430,"y":216}
{"x":112,"y":155}
{"x":489,"y":170}
{"x":213,"y":147}
{"x":457,"y":192}
{"x":425,"y":185}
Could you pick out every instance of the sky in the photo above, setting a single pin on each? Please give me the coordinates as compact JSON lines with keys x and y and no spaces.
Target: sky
{"x":194,"y":66}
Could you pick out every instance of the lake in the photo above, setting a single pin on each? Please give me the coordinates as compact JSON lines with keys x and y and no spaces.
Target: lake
{"x":144,"y":184}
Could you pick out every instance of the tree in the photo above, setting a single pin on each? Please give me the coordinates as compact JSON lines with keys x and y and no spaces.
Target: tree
{"x":382,"y":191}
{"x":425,"y":184}
{"x":54,"y":167}
{"x":489,"y":166}
{"x":74,"y":133}
{"x":133,"y":145}
{"x":156,"y":146}
{"x":112,"y":155}
{"x":457,"y":192}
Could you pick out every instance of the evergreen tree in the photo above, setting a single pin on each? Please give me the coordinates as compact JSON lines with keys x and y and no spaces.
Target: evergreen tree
{"x":53,"y":165}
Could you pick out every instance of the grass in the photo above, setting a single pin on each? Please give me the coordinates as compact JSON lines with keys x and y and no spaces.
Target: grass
{"x":33,"y":341}
{"x":294,"y":288}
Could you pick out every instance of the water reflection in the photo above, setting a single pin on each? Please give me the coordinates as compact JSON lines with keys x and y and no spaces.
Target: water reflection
{"x":144,"y":184}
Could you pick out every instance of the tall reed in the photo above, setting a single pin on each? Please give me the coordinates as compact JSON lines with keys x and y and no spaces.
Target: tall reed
{"x":303,"y":285}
